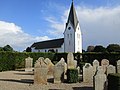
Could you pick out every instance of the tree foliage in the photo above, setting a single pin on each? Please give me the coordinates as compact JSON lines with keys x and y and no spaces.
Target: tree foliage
{"x":99,"y":48}
{"x":113,"y":48}
{"x":7,"y":48}
{"x":90,"y":48}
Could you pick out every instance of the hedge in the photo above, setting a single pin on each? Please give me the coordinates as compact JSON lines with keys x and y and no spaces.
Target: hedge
{"x":72,"y":75}
{"x":14,"y":60}
{"x":114,"y":81}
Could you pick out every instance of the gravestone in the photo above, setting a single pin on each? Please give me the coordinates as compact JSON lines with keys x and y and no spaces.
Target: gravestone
{"x":50,"y":66}
{"x":99,"y":81}
{"x":71,"y":63}
{"x":87,"y":73}
{"x":59,"y":71}
{"x":111,"y":69}
{"x":118,"y":66}
{"x":40,"y":72}
{"x":95,"y":66}
{"x":65,"y":71}
{"x":78,"y":68}
{"x":28,"y":64}
{"x":104,"y":64}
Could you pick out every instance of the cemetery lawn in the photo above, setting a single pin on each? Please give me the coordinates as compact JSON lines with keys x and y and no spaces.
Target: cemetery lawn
{"x":21,"y":80}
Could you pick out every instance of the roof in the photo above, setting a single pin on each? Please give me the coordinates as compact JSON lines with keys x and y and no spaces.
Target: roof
{"x":56,"y":43}
{"x":72,"y":17}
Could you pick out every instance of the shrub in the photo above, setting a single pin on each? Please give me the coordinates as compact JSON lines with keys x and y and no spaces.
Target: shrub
{"x":72,"y":75}
{"x":114,"y":81}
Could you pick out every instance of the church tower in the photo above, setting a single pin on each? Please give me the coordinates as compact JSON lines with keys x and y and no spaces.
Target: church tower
{"x":72,"y":33}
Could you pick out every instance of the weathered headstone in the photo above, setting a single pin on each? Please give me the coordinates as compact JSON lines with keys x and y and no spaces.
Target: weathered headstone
{"x":87,"y":73}
{"x":111,"y":69}
{"x":95,"y":66}
{"x":118,"y":66}
{"x":28,"y":64}
{"x":65,"y":71}
{"x":40,"y":72}
{"x":70,"y":61}
{"x":50,"y":66}
{"x":100,"y":78}
{"x":59,"y":71}
{"x":104,"y":64}
{"x":78,"y":68}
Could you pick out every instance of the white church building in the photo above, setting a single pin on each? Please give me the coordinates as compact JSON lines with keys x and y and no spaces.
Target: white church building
{"x":72,"y":41}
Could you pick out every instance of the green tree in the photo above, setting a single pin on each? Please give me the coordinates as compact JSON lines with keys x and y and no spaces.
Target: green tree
{"x":8,"y":48}
{"x":1,"y":49}
{"x":113,"y":48}
{"x":90,"y":48}
{"x":99,"y":48}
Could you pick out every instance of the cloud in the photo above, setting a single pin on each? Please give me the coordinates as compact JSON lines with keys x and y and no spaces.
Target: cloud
{"x":13,"y":35}
{"x":56,"y":27}
{"x":98,"y":25}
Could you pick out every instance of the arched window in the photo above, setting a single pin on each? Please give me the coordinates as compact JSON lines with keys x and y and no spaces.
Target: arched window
{"x":45,"y":50}
{"x":69,"y":42}
{"x":71,"y":35}
{"x":68,"y":35}
{"x":56,"y":50}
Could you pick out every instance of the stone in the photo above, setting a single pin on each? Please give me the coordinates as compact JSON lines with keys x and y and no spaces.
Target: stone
{"x":118,"y":66}
{"x":59,"y":70}
{"x":87,"y":73}
{"x":40,"y":63}
{"x":50,"y":66}
{"x":78,"y":68}
{"x":40,"y":75}
{"x":28,"y":64}
{"x":70,"y":61}
{"x":111,"y":69}
{"x":65,"y":71}
{"x":95,"y":66}
{"x":40,"y":72}
{"x":99,"y":82}
{"x":104,"y":64}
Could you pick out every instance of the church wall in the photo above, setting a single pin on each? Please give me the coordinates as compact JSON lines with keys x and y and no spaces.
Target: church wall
{"x":61,"y":49}
{"x":69,"y":39}
{"x":78,"y":40}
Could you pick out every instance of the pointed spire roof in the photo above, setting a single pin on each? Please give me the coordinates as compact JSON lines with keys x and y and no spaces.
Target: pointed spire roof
{"x":72,"y":16}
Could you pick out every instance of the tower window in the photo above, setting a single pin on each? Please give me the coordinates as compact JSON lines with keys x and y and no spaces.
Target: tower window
{"x":69,"y":42}
{"x":69,"y":28}
{"x":68,"y":35}
{"x":71,"y":35}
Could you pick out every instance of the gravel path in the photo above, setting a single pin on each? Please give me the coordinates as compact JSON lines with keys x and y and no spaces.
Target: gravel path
{"x":21,"y":80}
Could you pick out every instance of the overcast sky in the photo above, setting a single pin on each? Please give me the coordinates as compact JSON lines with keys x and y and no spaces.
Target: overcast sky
{"x":23,"y":22}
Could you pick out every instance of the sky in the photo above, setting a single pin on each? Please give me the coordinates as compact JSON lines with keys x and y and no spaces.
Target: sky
{"x":23,"y":22}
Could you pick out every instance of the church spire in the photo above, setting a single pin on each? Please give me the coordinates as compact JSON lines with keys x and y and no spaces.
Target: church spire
{"x":72,"y":17}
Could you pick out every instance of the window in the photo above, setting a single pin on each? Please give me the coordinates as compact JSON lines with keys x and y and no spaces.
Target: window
{"x":56,"y":50}
{"x":68,"y":35}
{"x":39,"y":50}
{"x":69,"y":42}
{"x":71,"y":35}
{"x":69,"y":28}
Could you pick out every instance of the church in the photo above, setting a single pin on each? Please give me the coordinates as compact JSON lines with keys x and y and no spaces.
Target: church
{"x":72,"y":41}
